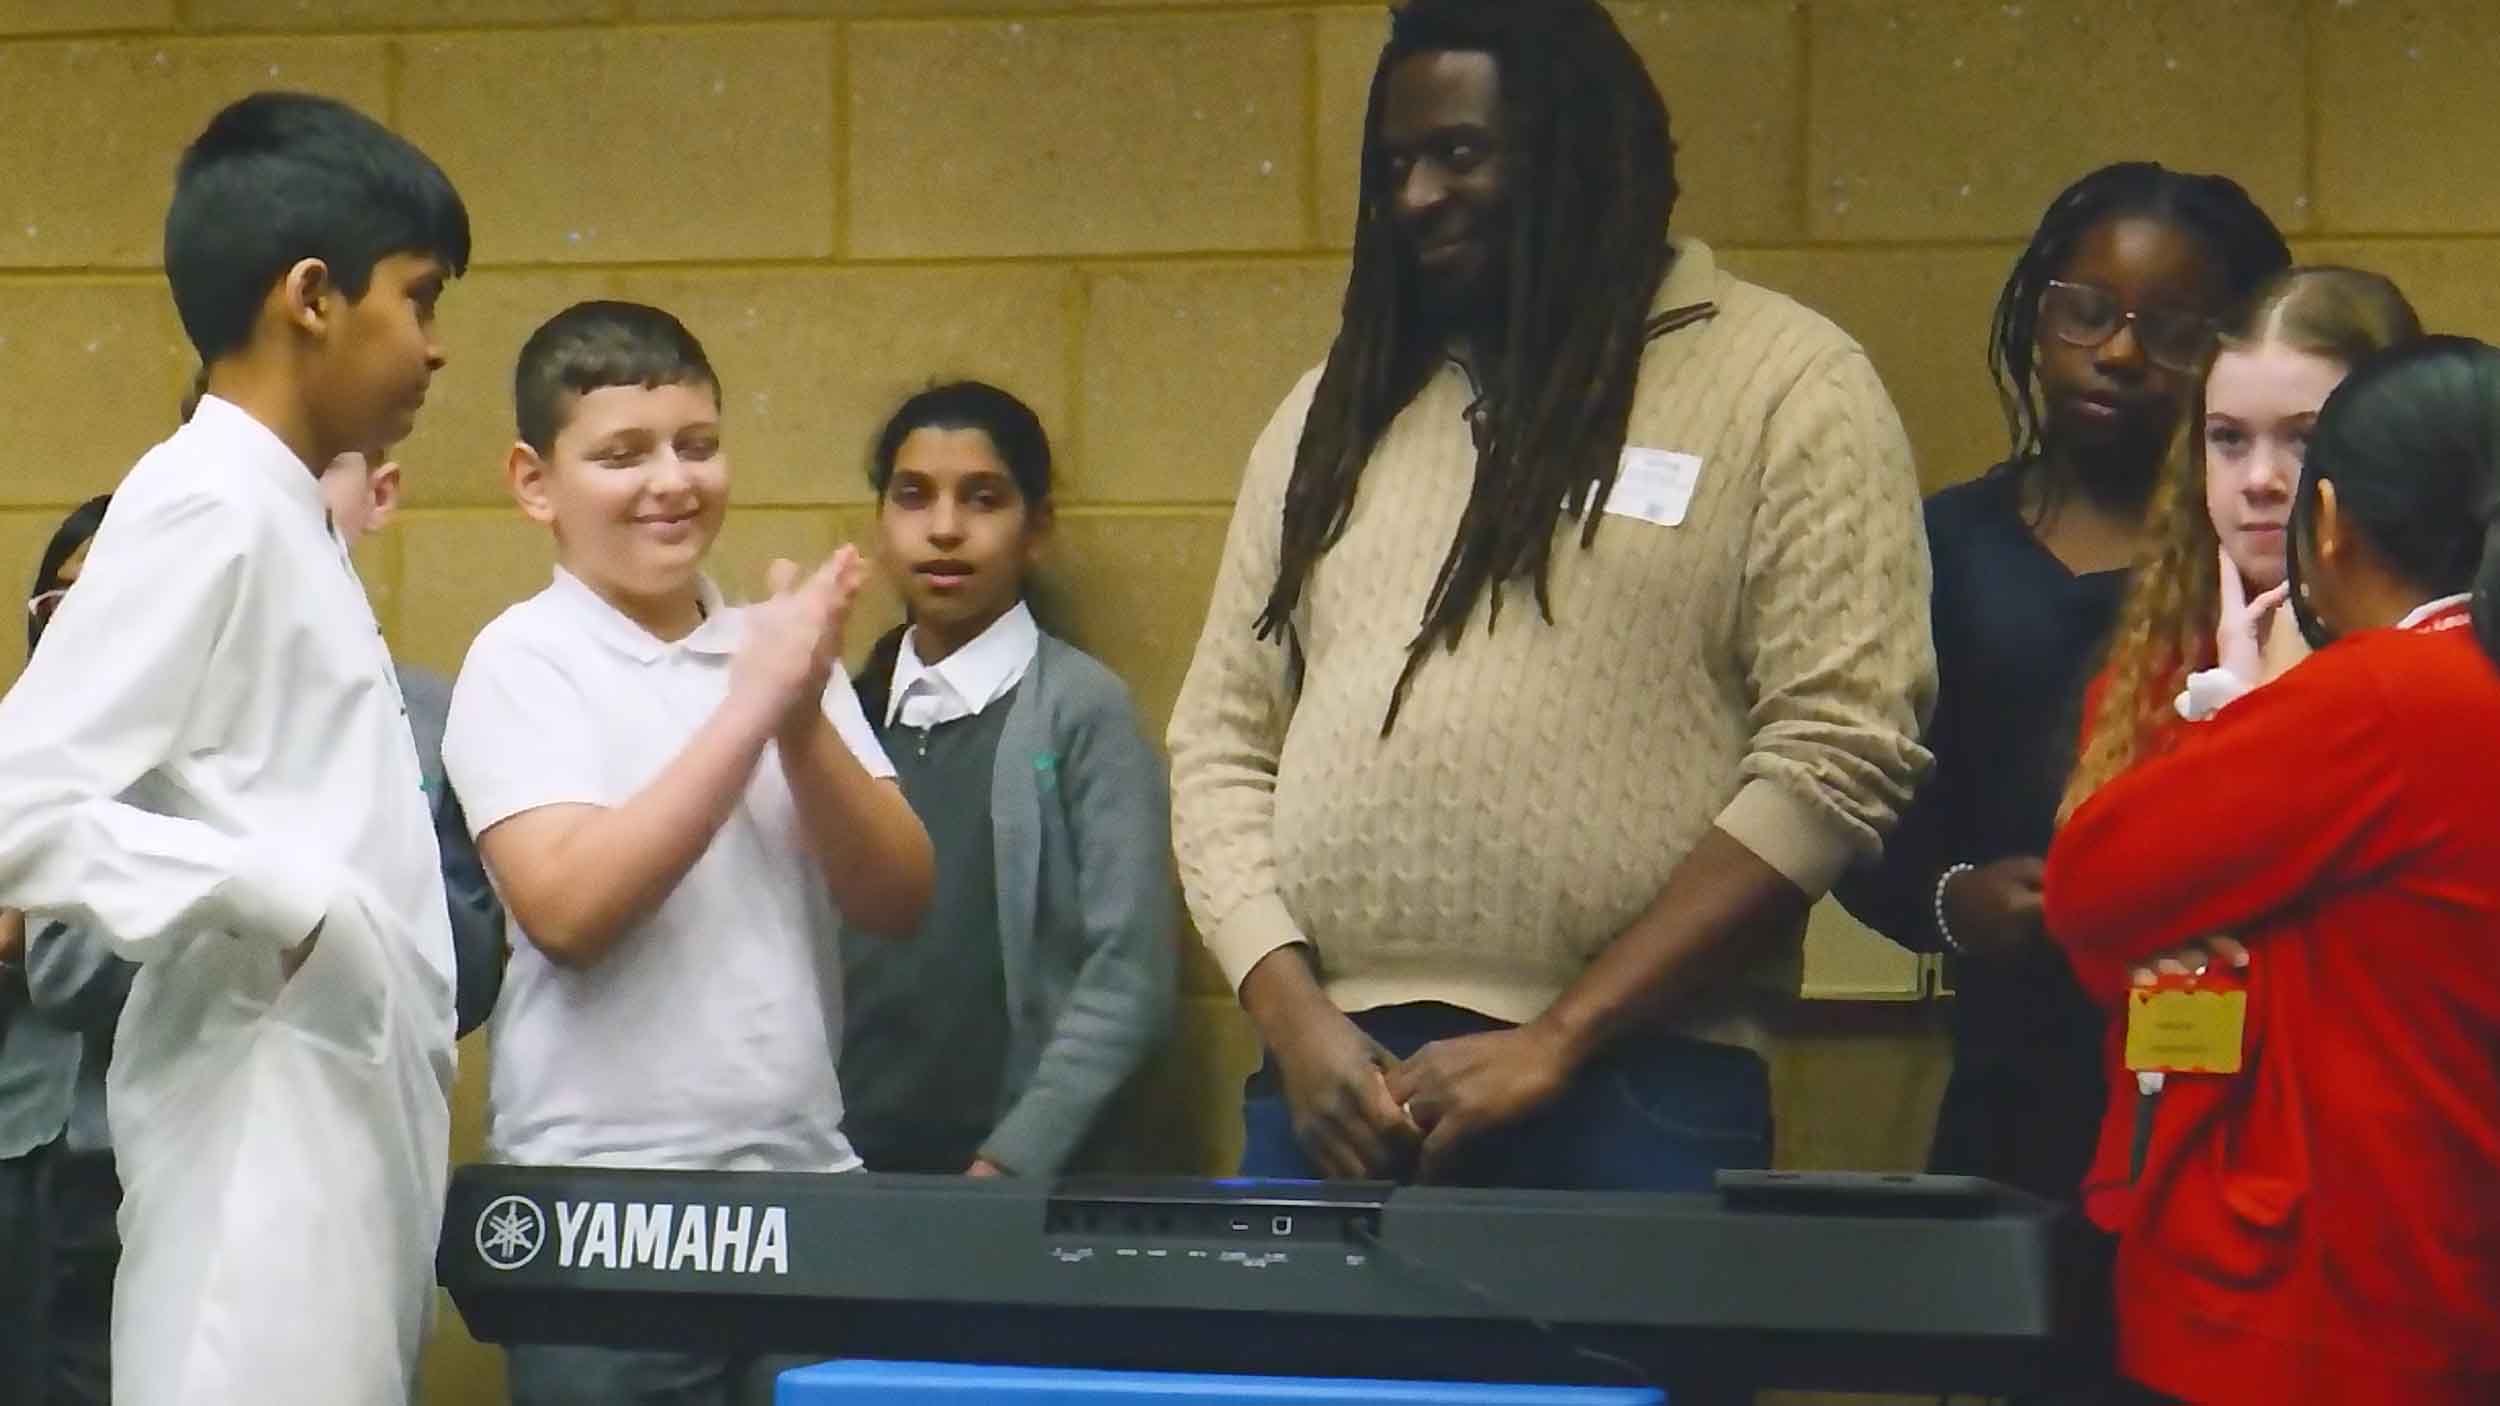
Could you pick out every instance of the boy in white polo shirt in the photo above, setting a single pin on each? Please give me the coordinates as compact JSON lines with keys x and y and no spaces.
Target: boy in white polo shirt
{"x":679,"y":801}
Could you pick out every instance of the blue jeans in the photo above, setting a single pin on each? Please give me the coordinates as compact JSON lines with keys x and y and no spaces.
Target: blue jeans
{"x":1650,"y":1113}
{"x":605,"y":1376}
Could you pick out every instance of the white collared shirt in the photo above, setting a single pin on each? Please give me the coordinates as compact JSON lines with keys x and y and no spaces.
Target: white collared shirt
{"x":966,"y":681}
{"x":2431,"y":609}
{"x":206,"y":758}
{"x":705,"y":1038}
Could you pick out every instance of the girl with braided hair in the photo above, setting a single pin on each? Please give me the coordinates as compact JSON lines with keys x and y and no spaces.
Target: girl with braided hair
{"x":2100,"y":332}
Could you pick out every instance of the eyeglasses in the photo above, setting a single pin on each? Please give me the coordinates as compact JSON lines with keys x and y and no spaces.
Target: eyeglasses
{"x":2081,"y":315}
{"x":42,"y":606}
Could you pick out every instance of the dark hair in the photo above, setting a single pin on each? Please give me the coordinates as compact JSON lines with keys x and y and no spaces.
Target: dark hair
{"x":591,"y":346}
{"x":75,"y":531}
{"x":2246,"y":245}
{"x":277,"y":178}
{"x":1593,"y":167}
{"x":2411,"y":440}
{"x":1015,"y":433}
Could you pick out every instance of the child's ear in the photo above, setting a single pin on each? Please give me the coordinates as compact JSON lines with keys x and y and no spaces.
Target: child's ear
{"x":304,"y":296}
{"x":525,"y":474}
{"x":2327,"y":529}
{"x":385,"y":488}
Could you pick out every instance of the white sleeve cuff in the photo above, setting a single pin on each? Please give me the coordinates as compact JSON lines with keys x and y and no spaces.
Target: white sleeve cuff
{"x":278,"y":899}
{"x":2209,"y":691}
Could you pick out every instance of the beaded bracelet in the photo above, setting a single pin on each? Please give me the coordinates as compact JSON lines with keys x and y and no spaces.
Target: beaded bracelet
{"x":1944,"y":929}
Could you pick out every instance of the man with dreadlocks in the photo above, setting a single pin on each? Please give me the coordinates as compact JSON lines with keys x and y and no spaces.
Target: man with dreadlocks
{"x":1570,"y":637}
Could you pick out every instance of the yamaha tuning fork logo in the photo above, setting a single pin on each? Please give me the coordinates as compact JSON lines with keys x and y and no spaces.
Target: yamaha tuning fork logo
{"x":510,"y":1231}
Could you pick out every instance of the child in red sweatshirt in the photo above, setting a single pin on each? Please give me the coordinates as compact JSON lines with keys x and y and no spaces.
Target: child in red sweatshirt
{"x":2324,"y":1225}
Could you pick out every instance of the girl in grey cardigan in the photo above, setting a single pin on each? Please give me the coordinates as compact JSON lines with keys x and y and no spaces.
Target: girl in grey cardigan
{"x":1044,"y":972}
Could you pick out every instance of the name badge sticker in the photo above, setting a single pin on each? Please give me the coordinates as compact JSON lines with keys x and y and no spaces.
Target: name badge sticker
{"x":2179,"y":1031}
{"x":1654,"y":485}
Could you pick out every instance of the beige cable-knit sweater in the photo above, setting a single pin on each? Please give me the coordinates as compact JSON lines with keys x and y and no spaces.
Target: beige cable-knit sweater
{"x":1764,"y":667}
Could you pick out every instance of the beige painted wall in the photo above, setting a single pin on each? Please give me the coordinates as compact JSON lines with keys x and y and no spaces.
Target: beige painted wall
{"x":1134,"y":212}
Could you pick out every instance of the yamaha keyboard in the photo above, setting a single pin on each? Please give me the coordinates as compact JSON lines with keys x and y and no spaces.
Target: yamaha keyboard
{"x":1853,"y":1282}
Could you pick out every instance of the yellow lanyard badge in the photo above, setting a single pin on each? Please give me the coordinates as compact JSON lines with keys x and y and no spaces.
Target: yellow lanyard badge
{"x":2183,"y":1027}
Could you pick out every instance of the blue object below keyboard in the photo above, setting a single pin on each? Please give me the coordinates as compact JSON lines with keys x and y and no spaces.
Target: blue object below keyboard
{"x":857,"y":1383}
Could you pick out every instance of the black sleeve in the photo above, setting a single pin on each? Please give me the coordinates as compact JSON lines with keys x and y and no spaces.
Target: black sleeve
{"x":1896,"y":894}
{"x":480,"y":947}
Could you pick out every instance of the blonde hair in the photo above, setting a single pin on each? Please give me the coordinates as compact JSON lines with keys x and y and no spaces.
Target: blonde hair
{"x":2165,"y":629}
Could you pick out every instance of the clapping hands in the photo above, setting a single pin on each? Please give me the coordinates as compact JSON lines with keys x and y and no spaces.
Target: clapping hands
{"x":793,"y":638}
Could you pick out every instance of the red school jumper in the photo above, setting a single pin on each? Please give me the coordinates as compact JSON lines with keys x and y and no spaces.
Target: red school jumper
{"x":2108,"y":1190}
{"x":2324,"y":1226}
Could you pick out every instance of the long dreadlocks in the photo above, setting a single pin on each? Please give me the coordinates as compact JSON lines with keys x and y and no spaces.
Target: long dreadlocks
{"x":1592,"y":171}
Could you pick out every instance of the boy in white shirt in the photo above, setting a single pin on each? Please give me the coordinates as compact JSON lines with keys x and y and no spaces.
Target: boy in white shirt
{"x":207,"y":765}
{"x":679,"y":801}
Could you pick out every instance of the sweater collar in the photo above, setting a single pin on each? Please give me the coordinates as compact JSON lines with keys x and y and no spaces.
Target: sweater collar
{"x":1689,"y":293}
{"x":1686,"y":296}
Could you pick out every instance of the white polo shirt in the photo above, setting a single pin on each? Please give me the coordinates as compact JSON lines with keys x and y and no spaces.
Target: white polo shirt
{"x":705,"y":1038}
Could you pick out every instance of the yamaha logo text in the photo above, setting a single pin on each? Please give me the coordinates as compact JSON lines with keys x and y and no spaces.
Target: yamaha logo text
{"x":512,"y":1231}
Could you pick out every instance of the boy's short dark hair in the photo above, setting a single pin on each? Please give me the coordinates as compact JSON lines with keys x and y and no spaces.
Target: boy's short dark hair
{"x":591,"y":346}
{"x":277,"y":178}
{"x":1014,"y":431}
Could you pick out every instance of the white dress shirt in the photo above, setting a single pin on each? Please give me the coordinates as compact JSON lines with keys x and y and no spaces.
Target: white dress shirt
{"x":705,"y":1038}
{"x":966,"y":681}
{"x":205,"y":760}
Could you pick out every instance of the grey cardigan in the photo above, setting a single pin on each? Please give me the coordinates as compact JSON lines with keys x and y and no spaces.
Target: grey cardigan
{"x":1088,"y":906}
